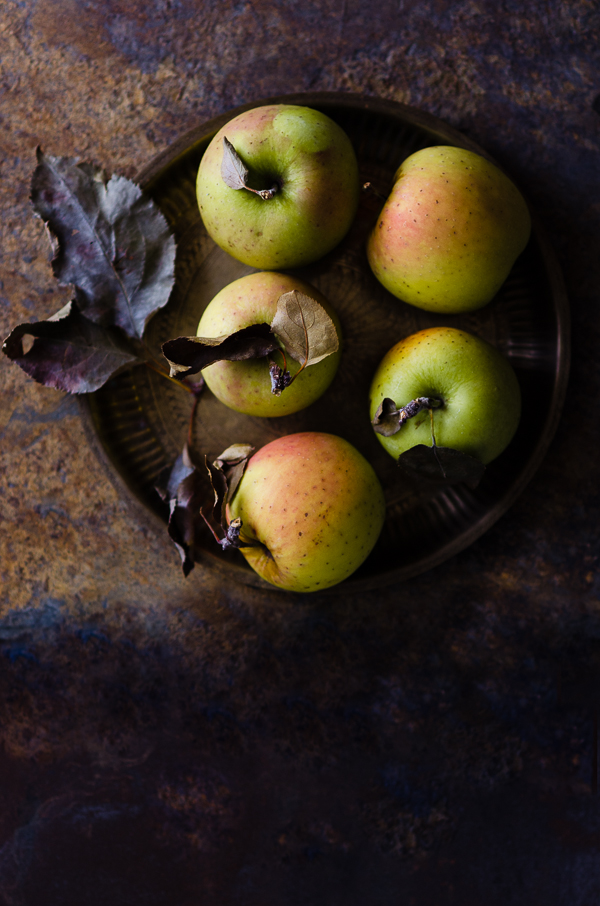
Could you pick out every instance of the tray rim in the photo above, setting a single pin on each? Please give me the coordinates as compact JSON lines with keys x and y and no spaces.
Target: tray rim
{"x":437,"y":127}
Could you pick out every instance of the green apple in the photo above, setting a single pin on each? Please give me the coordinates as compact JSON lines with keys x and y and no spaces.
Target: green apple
{"x":316,"y":506}
{"x":310,"y":162}
{"x":246,"y":386}
{"x":450,"y":231}
{"x":478,"y":389}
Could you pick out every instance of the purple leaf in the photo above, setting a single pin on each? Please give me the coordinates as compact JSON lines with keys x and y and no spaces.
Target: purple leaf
{"x":69,"y":352}
{"x":109,"y":240}
{"x":183,"y":488}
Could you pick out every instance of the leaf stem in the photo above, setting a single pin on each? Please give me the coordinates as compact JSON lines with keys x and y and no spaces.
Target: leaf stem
{"x":434,"y":445}
{"x":307,"y":346}
{"x":190,"y":436}
{"x":169,"y":378}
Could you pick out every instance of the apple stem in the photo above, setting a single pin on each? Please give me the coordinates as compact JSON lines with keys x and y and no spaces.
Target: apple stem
{"x":389,"y":419}
{"x":265,"y":193}
{"x":370,"y":188}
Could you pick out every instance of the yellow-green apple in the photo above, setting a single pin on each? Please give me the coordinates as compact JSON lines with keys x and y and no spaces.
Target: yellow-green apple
{"x":309,"y":161}
{"x":316,"y":506}
{"x":450,"y":231}
{"x":246,"y":385}
{"x":478,"y":389}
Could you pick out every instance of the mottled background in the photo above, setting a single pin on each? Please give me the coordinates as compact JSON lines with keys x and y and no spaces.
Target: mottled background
{"x":172,"y":742}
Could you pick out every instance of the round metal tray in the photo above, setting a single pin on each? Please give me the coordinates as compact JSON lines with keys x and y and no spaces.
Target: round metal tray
{"x":139,"y":420}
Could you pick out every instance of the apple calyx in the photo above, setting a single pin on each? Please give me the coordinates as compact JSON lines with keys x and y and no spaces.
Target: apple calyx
{"x":235,"y":173}
{"x":389,"y":419}
{"x":280,"y":378}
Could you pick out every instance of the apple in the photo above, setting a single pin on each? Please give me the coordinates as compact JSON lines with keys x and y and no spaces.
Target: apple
{"x":316,"y":506}
{"x":450,"y":231}
{"x":479,"y":391}
{"x":245,"y":386}
{"x":310,"y":162}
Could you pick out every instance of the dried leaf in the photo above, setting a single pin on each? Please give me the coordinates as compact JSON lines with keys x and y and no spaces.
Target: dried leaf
{"x":233,"y":462}
{"x":441,"y":465}
{"x":188,"y":355}
{"x":304,"y":327}
{"x":225,"y":474}
{"x":109,"y":240}
{"x":235,"y":173}
{"x":389,"y":419}
{"x":69,"y":352}
{"x":183,"y":488}
{"x":233,"y":169}
{"x":386,"y":419}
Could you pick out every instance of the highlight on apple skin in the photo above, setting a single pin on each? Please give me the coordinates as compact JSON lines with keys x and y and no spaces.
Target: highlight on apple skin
{"x":310,"y":160}
{"x":315,"y":504}
{"x":481,"y":398}
{"x":450,"y":231}
{"x":246,"y":386}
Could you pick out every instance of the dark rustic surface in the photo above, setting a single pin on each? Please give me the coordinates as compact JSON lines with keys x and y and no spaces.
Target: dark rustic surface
{"x":174,"y":742}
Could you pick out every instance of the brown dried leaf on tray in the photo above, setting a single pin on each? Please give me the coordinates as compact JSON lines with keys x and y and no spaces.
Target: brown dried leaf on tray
{"x":304,"y":327}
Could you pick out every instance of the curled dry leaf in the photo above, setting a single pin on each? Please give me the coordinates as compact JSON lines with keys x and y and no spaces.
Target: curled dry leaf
{"x":110,"y":242}
{"x":441,"y":465}
{"x":389,"y":418}
{"x":225,"y":474}
{"x":69,"y":352}
{"x":307,"y":332}
{"x":188,"y":355}
{"x":183,"y":488}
